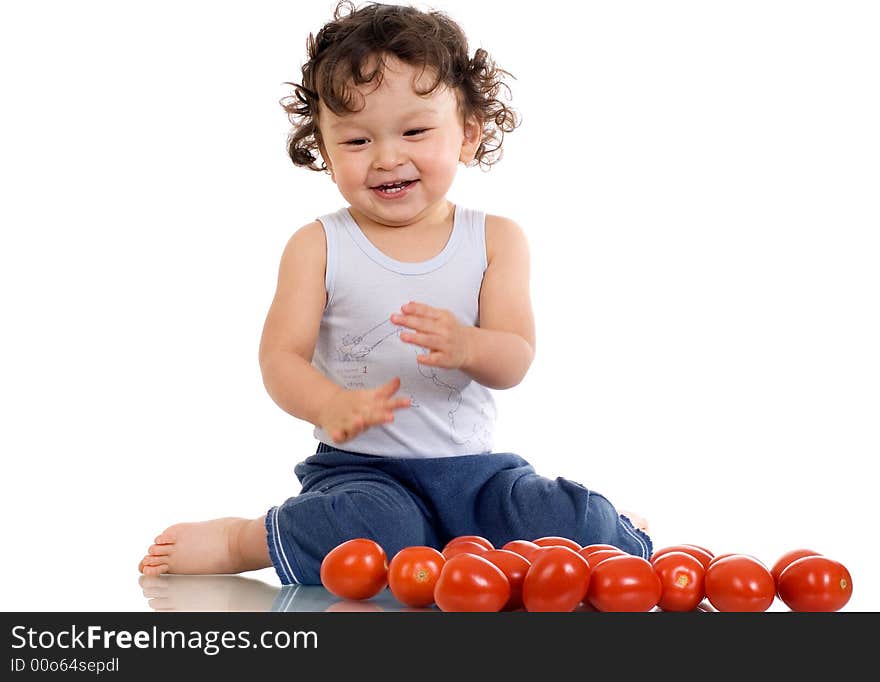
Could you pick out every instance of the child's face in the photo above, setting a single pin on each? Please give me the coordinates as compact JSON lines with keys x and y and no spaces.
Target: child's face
{"x":397,"y":136}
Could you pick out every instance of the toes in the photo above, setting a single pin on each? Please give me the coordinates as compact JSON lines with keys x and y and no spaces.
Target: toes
{"x":159,"y":550}
{"x":152,"y":565}
{"x":151,"y":560}
{"x":170,"y":534}
{"x":639,"y":522}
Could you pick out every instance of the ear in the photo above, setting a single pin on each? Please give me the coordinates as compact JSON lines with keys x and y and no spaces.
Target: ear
{"x":473,"y":135}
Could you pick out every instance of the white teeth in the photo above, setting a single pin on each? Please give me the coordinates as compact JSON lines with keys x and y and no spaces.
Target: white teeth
{"x":393,"y":189}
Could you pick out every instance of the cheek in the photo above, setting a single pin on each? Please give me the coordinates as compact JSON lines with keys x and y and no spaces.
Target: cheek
{"x":348,"y":172}
{"x":441,"y":157}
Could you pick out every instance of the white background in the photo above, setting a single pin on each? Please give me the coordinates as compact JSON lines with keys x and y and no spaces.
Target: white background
{"x":699,"y":185}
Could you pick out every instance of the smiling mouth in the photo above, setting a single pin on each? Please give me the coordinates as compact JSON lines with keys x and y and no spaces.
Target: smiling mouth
{"x":394,"y":187}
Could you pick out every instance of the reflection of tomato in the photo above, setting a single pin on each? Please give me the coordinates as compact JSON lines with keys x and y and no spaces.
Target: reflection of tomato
{"x":479,"y":539}
{"x":469,"y":546}
{"x":469,"y":582}
{"x":355,"y":569}
{"x":682,"y":579}
{"x":783,"y":561}
{"x":412,"y":574}
{"x":624,"y":583}
{"x":557,"y":580}
{"x":522,"y":547}
{"x":815,"y":583}
{"x":351,"y":606}
{"x":515,"y":566}
{"x":557,"y":541}
{"x":740,"y":582}
{"x":598,"y":555}
{"x":703,"y":555}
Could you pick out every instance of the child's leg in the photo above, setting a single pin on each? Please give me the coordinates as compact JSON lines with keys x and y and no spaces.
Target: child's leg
{"x":219,"y":546}
{"x":501,"y":497}
{"x":519,"y":502}
{"x":345,"y":495}
{"x":303,"y":529}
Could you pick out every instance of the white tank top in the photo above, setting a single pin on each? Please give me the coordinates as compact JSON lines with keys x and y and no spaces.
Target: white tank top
{"x":358,"y":345}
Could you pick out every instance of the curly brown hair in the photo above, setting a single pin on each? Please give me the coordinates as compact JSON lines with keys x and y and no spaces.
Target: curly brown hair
{"x":350,"y":51}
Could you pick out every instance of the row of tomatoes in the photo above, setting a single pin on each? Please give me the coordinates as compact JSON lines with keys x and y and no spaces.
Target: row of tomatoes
{"x":557,"y":574}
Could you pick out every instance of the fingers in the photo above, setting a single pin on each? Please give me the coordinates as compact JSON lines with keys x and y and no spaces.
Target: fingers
{"x":388,"y":389}
{"x":379,"y":412}
{"x":432,"y":341}
{"x":420,"y":309}
{"x":424,"y":324}
{"x":435,"y":359}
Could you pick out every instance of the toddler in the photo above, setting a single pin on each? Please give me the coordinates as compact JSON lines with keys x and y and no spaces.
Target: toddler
{"x":394,"y":318}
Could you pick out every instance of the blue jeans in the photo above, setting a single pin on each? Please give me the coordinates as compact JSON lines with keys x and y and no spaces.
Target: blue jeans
{"x":399,"y":502}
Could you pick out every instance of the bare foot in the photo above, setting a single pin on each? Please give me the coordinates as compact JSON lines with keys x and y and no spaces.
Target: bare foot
{"x":219,"y":546}
{"x":639,"y":522}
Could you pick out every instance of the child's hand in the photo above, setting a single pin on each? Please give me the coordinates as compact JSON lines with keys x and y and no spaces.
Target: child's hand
{"x":351,"y":412}
{"x":437,"y":330}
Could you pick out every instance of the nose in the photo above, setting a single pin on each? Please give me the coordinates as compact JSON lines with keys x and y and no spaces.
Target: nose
{"x":387,"y":155}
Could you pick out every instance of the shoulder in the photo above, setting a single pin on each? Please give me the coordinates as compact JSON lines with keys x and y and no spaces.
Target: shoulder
{"x":308,"y":243}
{"x":308,"y":236}
{"x":504,"y":238}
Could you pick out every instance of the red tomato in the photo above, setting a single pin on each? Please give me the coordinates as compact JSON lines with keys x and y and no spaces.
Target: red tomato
{"x":412,"y":574}
{"x":524,"y":548}
{"x":600,"y":555}
{"x":589,"y":549}
{"x":355,"y":569}
{"x":707,"y":551}
{"x":740,"y":582}
{"x":815,"y":583}
{"x":557,"y":541}
{"x":479,"y":539}
{"x":464,"y":546}
{"x":722,"y":556}
{"x":469,"y":582}
{"x":557,"y":580}
{"x":783,"y":561}
{"x":515,"y":566}
{"x":624,"y":583}
{"x":682,"y":578}
{"x":703,"y":555}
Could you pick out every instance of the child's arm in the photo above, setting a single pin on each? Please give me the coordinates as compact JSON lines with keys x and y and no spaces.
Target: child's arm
{"x":499,"y":352}
{"x":288,"y":343}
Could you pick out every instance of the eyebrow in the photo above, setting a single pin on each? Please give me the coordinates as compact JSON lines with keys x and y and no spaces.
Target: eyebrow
{"x":346,"y":121}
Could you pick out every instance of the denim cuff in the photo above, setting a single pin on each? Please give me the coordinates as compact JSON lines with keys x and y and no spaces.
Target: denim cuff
{"x":276,"y":550}
{"x":641,"y":538}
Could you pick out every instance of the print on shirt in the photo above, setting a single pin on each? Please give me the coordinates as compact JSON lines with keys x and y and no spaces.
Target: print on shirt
{"x":459,"y":433}
{"x":355,"y":350}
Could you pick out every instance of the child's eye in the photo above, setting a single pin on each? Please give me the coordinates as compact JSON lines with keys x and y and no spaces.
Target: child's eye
{"x":356,"y":143}
{"x":416,"y":131}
